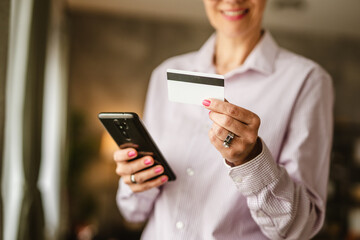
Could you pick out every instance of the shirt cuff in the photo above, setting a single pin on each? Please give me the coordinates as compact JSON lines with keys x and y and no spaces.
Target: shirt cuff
{"x":124,"y":191}
{"x":253,"y":176}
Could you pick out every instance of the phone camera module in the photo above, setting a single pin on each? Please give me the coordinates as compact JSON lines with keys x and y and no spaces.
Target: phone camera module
{"x":123,"y":127}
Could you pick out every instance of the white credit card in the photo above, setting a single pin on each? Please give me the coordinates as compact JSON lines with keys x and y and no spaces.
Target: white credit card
{"x":194,"y":87}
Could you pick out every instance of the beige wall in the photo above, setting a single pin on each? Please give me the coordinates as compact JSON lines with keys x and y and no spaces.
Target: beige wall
{"x":112,"y":58}
{"x":324,"y":16}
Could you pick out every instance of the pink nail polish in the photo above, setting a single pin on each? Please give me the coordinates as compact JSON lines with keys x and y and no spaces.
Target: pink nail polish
{"x":148,"y":161}
{"x":164,"y":179}
{"x":206,"y":103}
{"x":132,"y":154}
{"x":158,"y":170}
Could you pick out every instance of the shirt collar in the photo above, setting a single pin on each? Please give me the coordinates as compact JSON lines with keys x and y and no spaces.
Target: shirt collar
{"x":261,"y":58}
{"x":205,"y":56}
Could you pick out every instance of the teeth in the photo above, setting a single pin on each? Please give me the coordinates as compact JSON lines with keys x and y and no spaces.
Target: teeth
{"x":234,"y":13}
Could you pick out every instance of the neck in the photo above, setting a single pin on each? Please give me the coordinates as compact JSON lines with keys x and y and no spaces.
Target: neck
{"x":231,"y":53}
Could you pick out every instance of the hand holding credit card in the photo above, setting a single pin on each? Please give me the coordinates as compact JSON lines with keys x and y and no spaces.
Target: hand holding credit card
{"x":194,"y":87}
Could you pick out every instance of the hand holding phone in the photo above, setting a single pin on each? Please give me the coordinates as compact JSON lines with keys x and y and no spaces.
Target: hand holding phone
{"x":144,"y":172}
{"x":139,"y":159}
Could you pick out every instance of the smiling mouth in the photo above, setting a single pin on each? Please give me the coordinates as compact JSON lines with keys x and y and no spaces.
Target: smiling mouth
{"x":236,"y":13}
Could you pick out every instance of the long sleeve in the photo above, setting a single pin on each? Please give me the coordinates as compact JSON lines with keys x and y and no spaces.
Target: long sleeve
{"x":287,"y":196}
{"x":135,"y":207}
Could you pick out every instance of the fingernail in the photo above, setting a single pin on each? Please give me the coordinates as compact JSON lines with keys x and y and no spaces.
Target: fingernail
{"x":164,"y":179}
{"x":206,"y":103}
{"x":158,"y":170}
{"x":148,"y":161}
{"x":209,"y":112}
{"x":131,"y":153}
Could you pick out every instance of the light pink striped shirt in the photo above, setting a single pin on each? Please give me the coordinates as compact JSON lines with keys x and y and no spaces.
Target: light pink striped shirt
{"x":281,"y":194}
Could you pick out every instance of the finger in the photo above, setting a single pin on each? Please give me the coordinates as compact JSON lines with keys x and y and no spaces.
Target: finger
{"x":130,"y":167}
{"x":218,"y":132}
{"x":125,"y":154}
{"x":246,"y":133}
{"x":217,"y":136}
{"x":145,"y":175}
{"x":239,"y":150}
{"x":239,"y":113}
{"x":221,"y":133}
{"x":236,"y":150}
{"x":224,"y":124}
{"x":149,"y":184}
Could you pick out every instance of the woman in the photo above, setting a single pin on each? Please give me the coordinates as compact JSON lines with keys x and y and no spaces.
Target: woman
{"x":269,"y":180}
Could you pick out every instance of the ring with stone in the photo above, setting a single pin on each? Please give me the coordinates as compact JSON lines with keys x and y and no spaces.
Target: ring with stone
{"x":228,"y":139}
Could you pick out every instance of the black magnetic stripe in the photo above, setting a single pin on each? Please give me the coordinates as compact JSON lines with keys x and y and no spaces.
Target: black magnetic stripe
{"x":195,"y":79}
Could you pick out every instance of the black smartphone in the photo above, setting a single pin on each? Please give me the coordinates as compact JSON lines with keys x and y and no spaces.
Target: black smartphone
{"x":127,"y":130}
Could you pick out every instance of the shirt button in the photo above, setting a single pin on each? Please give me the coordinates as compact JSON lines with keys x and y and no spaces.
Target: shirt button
{"x":179,"y":225}
{"x":190,"y":172}
{"x":238,"y":179}
{"x":260,"y":214}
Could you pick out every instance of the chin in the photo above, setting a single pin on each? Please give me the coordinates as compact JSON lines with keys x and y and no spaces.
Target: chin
{"x":233,"y":33}
{"x":239,"y":32}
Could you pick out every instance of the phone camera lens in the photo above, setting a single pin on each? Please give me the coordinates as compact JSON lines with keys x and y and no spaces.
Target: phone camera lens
{"x":116,"y":122}
{"x":123,"y":125}
{"x":125,"y":134}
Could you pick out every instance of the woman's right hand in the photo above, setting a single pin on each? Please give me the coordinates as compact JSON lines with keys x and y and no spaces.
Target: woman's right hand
{"x":140,"y":169}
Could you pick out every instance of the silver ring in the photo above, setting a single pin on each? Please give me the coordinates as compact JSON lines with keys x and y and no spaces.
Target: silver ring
{"x":132,"y":179}
{"x":228,"y":139}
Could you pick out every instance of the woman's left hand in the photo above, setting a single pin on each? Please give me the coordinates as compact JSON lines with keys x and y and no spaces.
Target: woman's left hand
{"x":242,"y":123}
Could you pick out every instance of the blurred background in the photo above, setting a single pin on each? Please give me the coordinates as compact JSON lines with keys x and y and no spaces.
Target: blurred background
{"x":64,"y":61}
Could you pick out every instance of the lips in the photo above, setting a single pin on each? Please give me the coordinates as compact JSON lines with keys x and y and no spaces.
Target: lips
{"x":235,"y":14}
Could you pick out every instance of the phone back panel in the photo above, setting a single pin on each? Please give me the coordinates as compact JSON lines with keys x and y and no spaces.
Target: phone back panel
{"x":127,"y":130}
